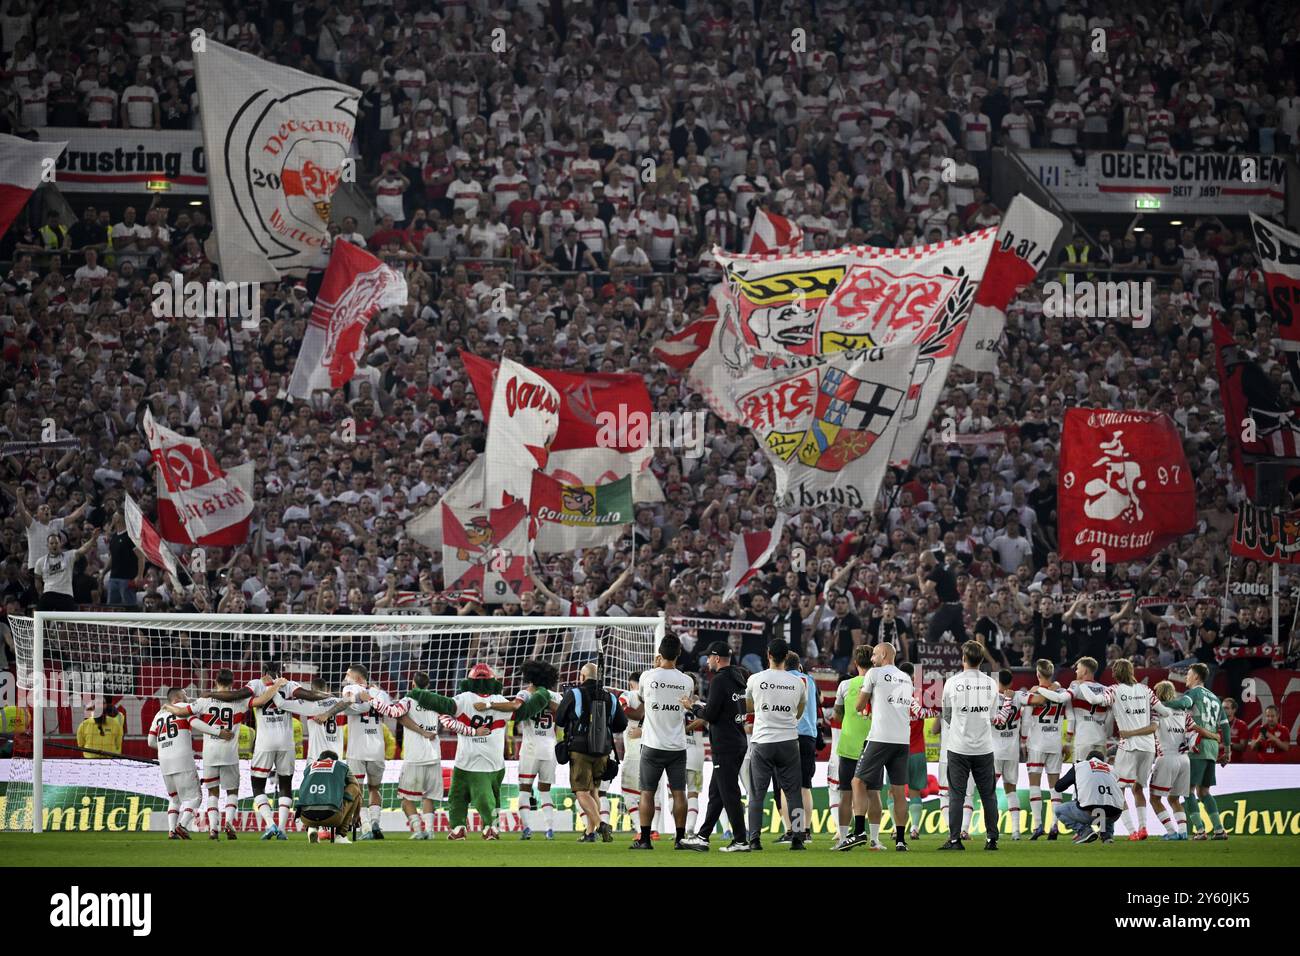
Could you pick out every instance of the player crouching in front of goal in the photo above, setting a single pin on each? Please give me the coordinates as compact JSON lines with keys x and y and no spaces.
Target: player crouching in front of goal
{"x":330,"y":798}
{"x":476,"y":714}
{"x":170,"y":736}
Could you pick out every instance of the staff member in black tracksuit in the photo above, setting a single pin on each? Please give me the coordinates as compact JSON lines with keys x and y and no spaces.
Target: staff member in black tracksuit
{"x":725,"y":714}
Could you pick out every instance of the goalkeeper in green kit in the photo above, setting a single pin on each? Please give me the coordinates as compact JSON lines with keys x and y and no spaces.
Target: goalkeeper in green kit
{"x":1207,"y":711}
{"x":478,"y":715}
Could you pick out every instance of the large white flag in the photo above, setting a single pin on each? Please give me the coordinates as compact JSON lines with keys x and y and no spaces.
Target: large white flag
{"x":275,"y":140}
{"x":524,"y":420}
{"x":205,"y":498}
{"x":785,"y":309}
{"x":751,"y":552}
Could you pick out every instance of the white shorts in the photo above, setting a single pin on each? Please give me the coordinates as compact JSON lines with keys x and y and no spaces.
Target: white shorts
{"x":225,"y":776}
{"x":539,"y":764}
{"x":369,"y":772}
{"x":1172,"y":775}
{"x":184,"y":785}
{"x":630,"y":771}
{"x":1134,"y":766}
{"x":1008,"y":768}
{"x":420,"y":781}
{"x":1043,"y":762}
{"x":265,"y":762}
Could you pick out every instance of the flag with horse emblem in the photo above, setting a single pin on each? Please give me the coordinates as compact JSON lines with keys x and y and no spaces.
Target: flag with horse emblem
{"x":486,"y":550}
{"x":568,"y":517}
{"x":828,"y":423}
{"x":1125,"y":491}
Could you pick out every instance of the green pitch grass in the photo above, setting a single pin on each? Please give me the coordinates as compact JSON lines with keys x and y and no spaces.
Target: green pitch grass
{"x":146,"y":850}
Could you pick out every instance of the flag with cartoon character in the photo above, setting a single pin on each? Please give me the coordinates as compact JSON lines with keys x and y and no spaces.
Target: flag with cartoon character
{"x":486,"y":550}
{"x":571,"y":516}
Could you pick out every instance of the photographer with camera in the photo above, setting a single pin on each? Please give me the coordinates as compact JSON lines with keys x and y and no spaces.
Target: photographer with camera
{"x":590,"y":716}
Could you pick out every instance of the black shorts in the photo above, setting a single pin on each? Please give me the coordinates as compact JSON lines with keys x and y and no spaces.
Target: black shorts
{"x":655,"y":763}
{"x":848,"y":767}
{"x":878,"y":757}
{"x":807,"y":761}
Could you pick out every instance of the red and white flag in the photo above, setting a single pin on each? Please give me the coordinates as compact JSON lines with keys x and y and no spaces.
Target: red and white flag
{"x":209,"y":506}
{"x":355,"y":287}
{"x":1023,"y":246}
{"x":753,"y":548}
{"x":146,"y":537}
{"x":771,"y":233}
{"x":486,"y":550}
{"x":1125,"y":491}
{"x":21,"y":164}
{"x":521,"y":427}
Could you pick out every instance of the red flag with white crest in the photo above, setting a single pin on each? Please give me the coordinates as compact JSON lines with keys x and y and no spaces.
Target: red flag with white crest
{"x":1125,"y":491}
{"x":355,"y":287}
{"x":206,"y":501}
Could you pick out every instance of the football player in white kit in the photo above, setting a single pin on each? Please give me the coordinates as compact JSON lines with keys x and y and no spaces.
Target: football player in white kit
{"x":537,"y":748}
{"x":221,"y":754}
{"x":1046,"y":703}
{"x":1089,"y":724}
{"x":694,"y":762}
{"x":420,"y":782}
{"x":1136,"y":711}
{"x":1171,"y":774}
{"x":630,"y":772}
{"x":170,"y":736}
{"x":364,"y":747}
{"x":273,"y":749}
{"x":1006,"y":749}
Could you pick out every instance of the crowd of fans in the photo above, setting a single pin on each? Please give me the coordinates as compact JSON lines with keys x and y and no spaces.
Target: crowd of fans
{"x":552,"y":199}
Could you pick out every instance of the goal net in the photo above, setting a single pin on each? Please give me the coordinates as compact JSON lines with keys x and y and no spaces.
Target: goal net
{"x":79,"y":673}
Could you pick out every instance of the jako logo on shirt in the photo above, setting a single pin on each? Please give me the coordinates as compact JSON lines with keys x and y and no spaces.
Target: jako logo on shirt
{"x":75,"y":910}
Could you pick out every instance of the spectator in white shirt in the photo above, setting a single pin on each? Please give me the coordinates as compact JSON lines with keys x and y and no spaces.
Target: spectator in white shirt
{"x":140,"y":104}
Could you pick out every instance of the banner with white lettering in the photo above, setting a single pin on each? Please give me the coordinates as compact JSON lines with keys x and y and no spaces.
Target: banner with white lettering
{"x":1186,"y":183}
{"x":276,"y":143}
{"x":525,"y":417}
{"x":130,"y":160}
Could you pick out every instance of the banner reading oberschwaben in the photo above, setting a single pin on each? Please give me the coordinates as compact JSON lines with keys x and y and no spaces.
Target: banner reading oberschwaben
{"x":275,"y":139}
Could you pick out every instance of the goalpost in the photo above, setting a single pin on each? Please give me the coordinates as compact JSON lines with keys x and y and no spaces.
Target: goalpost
{"x":71,"y":663}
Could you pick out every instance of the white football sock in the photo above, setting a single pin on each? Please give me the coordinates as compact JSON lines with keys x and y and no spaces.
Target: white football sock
{"x":187,"y":816}
{"x":210,"y":814}
{"x":1126,"y":817}
{"x":604,"y":808}
{"x":413,"y":822}
{"x":286,"y":807}
{"x":967,"y":812}
{"x":943,"y":802}
{"x":1036,"y":808}
{"x":1013,"y":810}
{"x":428,"y":819}
{"x":1165,"y":818}
{"x":232,"y":811}
{"x":1056,"y":807}
{"x":548,"y":806}
{"x":262,"y":807}
{"x":692,"y":812}
{"x":1180,"y":821}
{"x":1142,"y":816}
{"x":874,"y":829}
